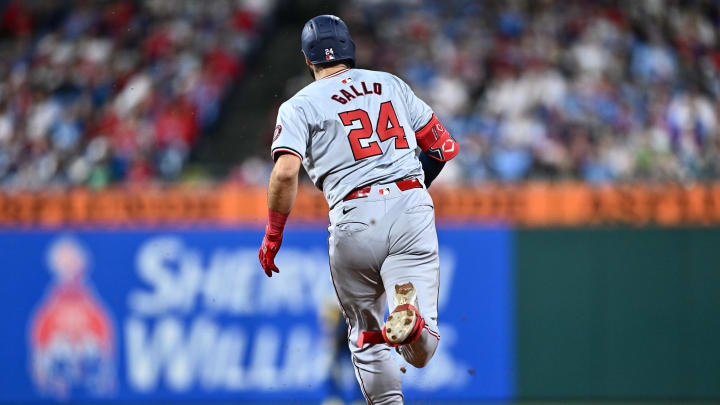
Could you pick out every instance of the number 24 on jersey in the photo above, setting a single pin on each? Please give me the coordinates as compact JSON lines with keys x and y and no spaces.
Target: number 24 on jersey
{"x":387,"y":127}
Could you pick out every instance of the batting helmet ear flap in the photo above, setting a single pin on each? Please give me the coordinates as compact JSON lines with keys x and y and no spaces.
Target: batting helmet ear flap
{"x":326,"y":38}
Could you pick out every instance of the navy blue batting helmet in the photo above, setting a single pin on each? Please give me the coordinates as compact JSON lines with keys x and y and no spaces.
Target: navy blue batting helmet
{"x":326,"y":38}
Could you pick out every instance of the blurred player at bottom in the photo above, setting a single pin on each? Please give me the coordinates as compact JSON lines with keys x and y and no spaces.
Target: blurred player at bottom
{"x":356,"y":133}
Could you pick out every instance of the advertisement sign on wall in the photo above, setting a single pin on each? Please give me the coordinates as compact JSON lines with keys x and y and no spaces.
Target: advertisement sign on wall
{"x":163,"y":315}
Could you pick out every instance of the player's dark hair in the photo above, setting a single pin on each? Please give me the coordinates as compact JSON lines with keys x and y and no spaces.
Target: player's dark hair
{"x":347,"y":62}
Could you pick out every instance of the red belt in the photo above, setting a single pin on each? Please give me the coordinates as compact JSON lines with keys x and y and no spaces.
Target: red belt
{"x":365,"y":191}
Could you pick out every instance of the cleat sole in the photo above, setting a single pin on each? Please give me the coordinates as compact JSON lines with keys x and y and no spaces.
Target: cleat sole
{"x":401,"y":323}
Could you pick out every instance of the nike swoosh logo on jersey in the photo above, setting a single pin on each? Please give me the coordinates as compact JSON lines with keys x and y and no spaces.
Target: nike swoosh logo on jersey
{"x":346,"y":210}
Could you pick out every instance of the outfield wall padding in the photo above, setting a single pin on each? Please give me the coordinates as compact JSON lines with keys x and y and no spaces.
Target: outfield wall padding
{"x":618,"y":313}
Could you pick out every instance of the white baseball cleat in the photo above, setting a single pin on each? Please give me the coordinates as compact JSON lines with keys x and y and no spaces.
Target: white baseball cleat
{"x":404,"y":323}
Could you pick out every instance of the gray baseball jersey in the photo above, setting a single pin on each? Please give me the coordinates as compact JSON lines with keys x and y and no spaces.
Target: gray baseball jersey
{"x":351,"y":129}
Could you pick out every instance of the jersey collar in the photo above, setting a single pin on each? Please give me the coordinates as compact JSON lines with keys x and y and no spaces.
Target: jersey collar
{"x":336,"y":73}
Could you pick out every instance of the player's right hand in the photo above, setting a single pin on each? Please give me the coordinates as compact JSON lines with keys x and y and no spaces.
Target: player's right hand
{"x":269,"y":248}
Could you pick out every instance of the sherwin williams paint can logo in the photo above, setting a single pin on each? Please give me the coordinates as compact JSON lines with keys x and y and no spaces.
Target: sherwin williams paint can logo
{"x":72,"y":341}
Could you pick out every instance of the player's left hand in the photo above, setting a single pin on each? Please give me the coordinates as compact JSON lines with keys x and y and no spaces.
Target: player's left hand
{"x":269,"y":248}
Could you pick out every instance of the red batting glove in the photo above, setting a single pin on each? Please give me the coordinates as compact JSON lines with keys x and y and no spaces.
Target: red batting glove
{"x":272,"y":241}
{"x":269,"y":248}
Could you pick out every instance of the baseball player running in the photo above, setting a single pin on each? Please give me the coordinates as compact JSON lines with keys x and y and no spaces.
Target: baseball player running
{"x":356,"y":133}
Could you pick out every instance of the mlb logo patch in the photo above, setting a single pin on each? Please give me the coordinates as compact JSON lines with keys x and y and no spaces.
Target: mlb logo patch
{"x":346,"y":80}
{"x":329,"y":54}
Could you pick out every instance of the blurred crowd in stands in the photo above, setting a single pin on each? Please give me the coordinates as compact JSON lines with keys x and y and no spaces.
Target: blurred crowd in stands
{"x":601,"y":91}
{"x":593,"y":90}
{"x":96,"y":92}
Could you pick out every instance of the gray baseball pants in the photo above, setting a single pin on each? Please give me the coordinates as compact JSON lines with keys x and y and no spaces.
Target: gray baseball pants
{"x":376,"y":242}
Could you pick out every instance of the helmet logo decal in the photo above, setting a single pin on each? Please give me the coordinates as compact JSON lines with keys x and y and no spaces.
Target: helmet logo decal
{"x":329,"y":54}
